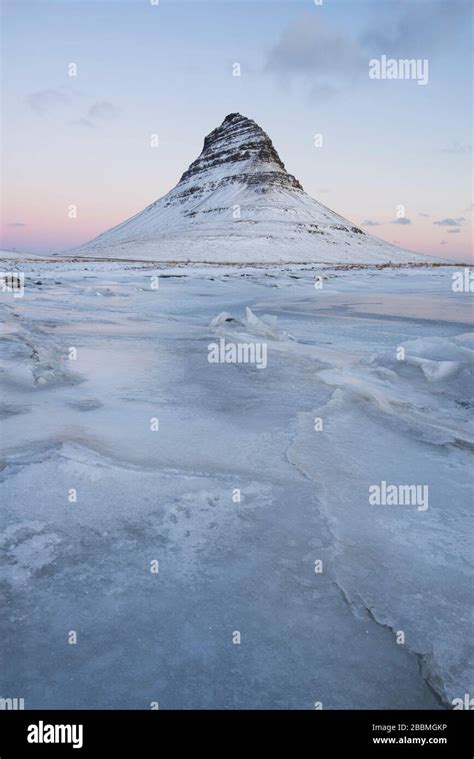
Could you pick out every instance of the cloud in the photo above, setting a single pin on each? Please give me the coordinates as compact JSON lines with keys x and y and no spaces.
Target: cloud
{"x":84,"y":123}
{"x":370,"y":223}
{"x":426,"y":215}
{"x":453,"y":231}
{"x":102,"y":110}
{"x":330,"y":60}
{"x":458,"y":148}
{"x":443,"y":242}
{"x":45,"y":101}
{"x":308,"y":44}
{"x":450,"y":222}
{"x":323,"y":91}
{"x":402,"y":220}
{"x":313,"y":49}
{"x":16,"y":224}
{"x":415,"y":28}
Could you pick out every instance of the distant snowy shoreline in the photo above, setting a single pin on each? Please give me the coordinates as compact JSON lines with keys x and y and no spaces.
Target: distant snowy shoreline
{"x":10,"y":256}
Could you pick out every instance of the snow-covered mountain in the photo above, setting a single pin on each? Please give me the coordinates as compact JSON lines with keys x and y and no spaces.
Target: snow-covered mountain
{"x":237,"y":203}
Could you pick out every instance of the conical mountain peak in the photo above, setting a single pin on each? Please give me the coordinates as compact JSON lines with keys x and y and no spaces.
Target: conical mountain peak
{"x":237,"y":203}
{"x":240,"y":149}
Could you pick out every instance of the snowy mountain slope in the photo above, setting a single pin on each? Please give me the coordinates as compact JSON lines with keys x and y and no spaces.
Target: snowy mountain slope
{"x":236,"y":202}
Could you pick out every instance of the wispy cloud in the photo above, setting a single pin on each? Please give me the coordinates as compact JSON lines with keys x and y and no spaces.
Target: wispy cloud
{"x":450,"y":222}
{"x":453,"y":231}
{"x":458,"y":148}
{"x":16,"y":224}
{"x":99,"y":113}
{"x":398,"y":29}
{"x":313,"y":49}
{"x":102,"y":110}
{"x":370,"y":223}
{"x":330,"y":60}
{"x":308,"y":44}
{"x":83,"y":122}
{"x":403,"y":220}
{"x":45,"y":101}
{"x":425,"y":215}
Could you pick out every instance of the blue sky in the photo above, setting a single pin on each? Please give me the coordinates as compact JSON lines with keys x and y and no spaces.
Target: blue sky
{"x":167,"y":69}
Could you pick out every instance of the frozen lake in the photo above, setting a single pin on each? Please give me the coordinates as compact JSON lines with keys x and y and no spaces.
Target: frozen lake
{"x":160,"y":507}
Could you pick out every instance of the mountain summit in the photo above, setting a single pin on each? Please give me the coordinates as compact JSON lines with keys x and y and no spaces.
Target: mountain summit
{"x":239,"y":148}
{"x":236,"y":203}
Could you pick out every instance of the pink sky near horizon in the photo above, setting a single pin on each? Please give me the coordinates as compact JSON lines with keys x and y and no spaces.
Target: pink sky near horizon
{"x":49,"y":228}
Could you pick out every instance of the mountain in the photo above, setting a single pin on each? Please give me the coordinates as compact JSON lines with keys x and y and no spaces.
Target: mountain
{"x":237,"y":203}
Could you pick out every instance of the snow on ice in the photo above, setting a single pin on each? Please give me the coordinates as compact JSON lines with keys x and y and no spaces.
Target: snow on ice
{"x":96,"y":494}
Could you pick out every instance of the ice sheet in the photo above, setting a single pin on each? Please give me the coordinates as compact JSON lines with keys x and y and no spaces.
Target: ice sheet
{"x":84,"y":423}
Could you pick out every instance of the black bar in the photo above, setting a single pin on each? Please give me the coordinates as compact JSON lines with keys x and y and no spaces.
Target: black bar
{"x":357,"y":732}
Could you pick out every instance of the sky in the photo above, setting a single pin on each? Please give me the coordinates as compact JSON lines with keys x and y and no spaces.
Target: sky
{"x":394,"y":156}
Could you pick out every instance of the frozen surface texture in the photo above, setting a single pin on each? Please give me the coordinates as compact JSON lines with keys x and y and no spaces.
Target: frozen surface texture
{"x":92,"y":356}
